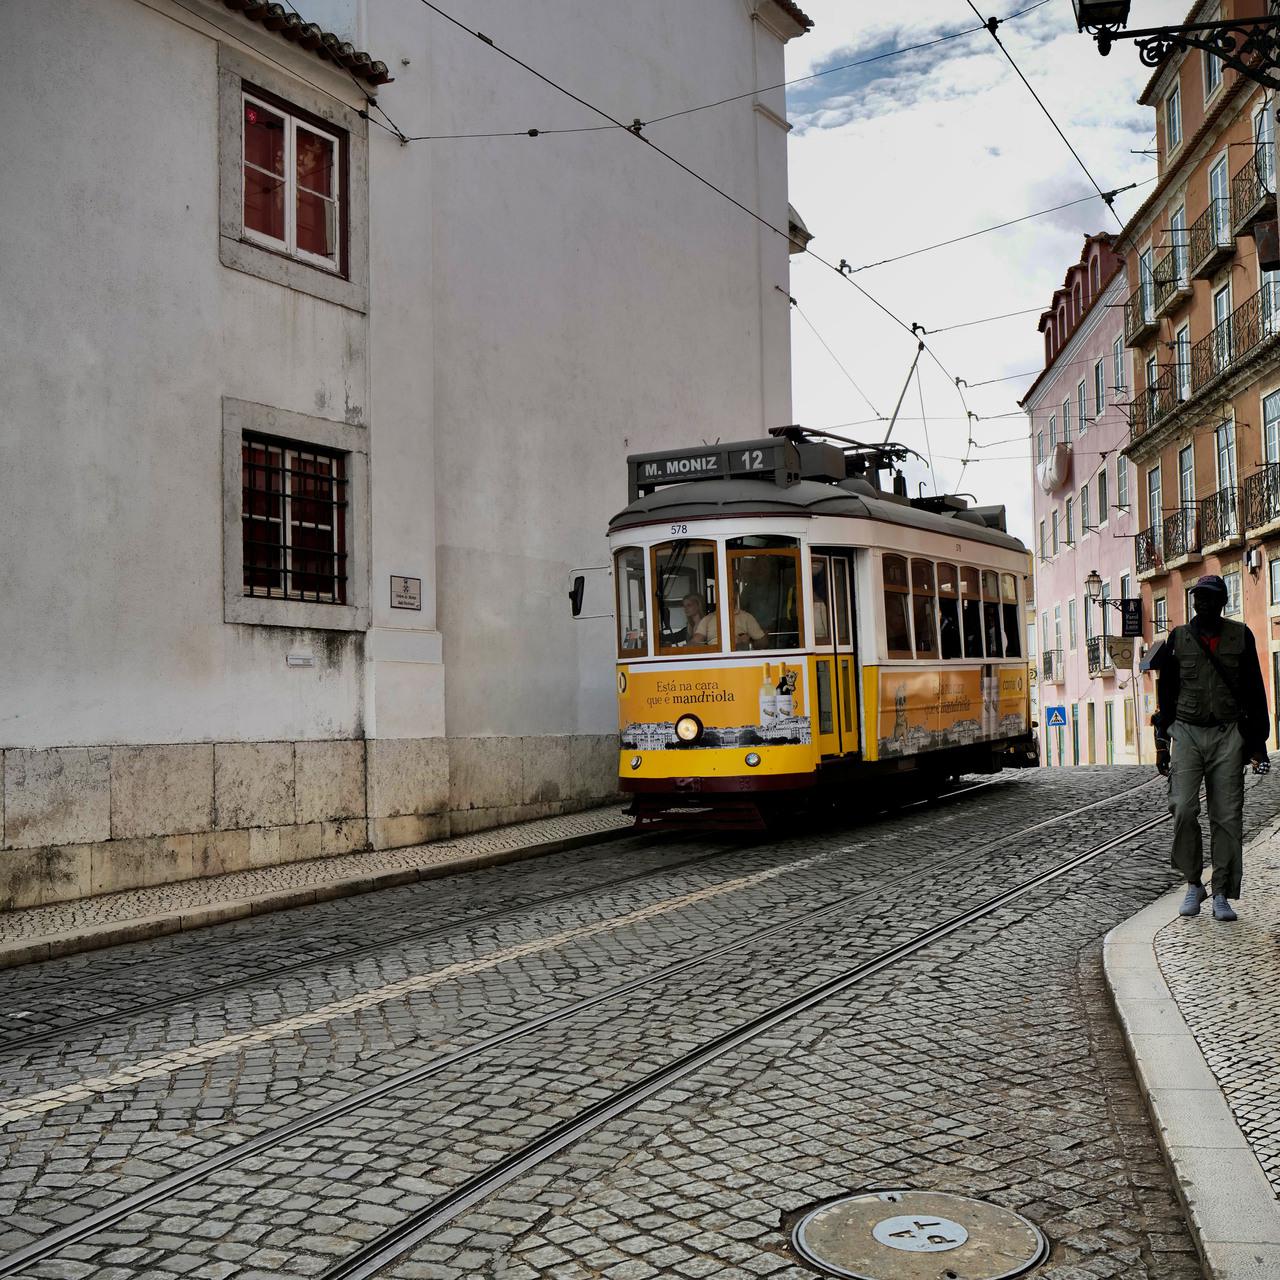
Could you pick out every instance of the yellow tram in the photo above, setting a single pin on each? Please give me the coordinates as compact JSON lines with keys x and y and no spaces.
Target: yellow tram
{"x":788,"y":632}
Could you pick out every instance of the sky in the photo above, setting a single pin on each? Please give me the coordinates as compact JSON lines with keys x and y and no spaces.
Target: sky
{"x":923,"y":146}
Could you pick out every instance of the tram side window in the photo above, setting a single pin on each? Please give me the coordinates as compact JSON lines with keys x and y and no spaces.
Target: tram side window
{"x":628,"y":578}
{"x":686,"y":599}
{"x":924,"y":609}
{"x":764,"y":578}
{"x":1009,"y":607}
{"x":949,"y":611}
{"x":991,"y":613}
{"x":821,"y":601}
{"x":970,"y":612}
{"x":897,"y":618}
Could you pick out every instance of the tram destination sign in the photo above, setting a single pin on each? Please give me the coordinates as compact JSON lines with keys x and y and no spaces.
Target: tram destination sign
{"x":772,"y":458}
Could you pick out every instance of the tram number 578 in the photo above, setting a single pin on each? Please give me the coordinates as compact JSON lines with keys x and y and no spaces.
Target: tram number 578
{"x":677,"y":529}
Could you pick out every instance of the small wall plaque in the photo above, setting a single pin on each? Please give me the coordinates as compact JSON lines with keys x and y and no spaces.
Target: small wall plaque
{"x":406,"y":593}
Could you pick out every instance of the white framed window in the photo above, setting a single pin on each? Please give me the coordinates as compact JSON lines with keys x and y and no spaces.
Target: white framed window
{"x":1271,"y":427}
{"x":1071,"y":523}
{"x":1082,"y":405}
{"x":1056,"y":541}
{"x":1232,"y":579}
{"x":1186,"y":477}
{"x":292,"y":184}
{"x":1224,"y":448}
{"x":1212,"y":66}
{"x":1220,"y":198}
{"x":1178,"y":237}
{"x":1122,"y":483}
{"x":1071,"y":622}
{"x":1084,"y":507}
{"x":1160,"y":615}
{"x":1126,"y":587}
{"x":1273,"y":580}
{"x":1117,"y":364}
{"x":1146,"y":284}
{"x":1044,"y":542}
{"x":1099,"y":387}
{"x":1103,"y":496}
{"x":1182,"y":361}
{"x":1039,"y":446}
{"x":1173,"y":120}
{"x":1066,"y":421}
{"x":1155,"y":505}
{"x":1053,"y":430}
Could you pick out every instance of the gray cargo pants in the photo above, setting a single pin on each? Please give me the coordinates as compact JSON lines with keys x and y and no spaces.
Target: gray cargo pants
{"x":1213,"y":754}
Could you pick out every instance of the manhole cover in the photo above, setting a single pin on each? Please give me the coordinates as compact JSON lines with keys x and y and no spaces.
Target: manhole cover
{"x":918,"y":1235}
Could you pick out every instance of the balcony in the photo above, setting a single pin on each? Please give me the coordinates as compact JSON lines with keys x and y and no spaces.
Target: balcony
{"x":1140,"y":314}
{"x":1099,"y":659}
{"x":1172,"y":283}
{"x":1052,"y":667}
{"x":1262,"y":499}
{"x":1220,"y":519}
{"x":1159,"y":399}
{"x":1252,"y":323}
{"x":1211,"y":240}
{"x":1147,"y":553}
{"x":1181,"y":537}
{"x":1253,"y":190}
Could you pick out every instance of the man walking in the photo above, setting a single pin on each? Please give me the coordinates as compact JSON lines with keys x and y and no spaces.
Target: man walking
{"x":1211,"y":719}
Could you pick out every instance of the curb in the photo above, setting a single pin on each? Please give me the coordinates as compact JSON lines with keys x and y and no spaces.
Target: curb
{"x":1230,"y":1208}
{"x":142,"y":928}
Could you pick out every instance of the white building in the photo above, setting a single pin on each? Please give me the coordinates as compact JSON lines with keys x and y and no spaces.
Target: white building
{"x":245,"y":406}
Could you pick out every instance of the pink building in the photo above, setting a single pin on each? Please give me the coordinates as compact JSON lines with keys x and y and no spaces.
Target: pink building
{"x":1085,"y":505}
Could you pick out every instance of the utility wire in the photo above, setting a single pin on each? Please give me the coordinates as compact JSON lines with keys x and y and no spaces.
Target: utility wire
{"x":836,"y":358}
{"x":968,"y":324}
{"x":928,"y":448}
{"x":1000,"y":226}
{"x":636,"y":130}
{"x":992,"y":24}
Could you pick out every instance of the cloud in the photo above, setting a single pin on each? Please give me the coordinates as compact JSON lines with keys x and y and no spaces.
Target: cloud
{"x":911,"y":150}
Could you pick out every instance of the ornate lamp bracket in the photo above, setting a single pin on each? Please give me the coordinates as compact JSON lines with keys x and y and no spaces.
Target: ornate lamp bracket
{"x":1249,"y":45}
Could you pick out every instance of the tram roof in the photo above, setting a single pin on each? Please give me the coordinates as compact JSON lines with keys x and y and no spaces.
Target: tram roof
{"x":718,"y":499}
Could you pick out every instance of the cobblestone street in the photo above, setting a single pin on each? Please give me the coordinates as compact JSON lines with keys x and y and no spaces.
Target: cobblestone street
{"x":500,"y":1088}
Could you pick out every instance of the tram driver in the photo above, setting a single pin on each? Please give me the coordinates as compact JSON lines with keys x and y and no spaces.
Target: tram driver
{"x":704,"y":630}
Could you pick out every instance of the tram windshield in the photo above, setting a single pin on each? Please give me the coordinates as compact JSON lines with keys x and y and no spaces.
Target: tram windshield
{"x":686,"y":596}
{"x":628,"y":577}
{"x":764,"y":576}
{"x":1009,"y":602}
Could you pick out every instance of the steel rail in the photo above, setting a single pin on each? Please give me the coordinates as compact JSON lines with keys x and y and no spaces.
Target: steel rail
{"x":393,"y":1244}
{"x":66,"y":1029}
{"x":107,"y":1217}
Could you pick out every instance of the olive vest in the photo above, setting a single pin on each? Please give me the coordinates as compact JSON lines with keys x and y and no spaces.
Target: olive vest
{"x":1203,"y":696}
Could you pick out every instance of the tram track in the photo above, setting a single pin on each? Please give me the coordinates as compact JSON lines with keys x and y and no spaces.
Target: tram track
{"x":113,"y":1214}
{"x":65,"y":1030}
{"x":392,"y":1244}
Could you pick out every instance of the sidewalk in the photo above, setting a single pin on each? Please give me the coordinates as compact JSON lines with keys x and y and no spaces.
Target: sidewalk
{"x":41,"y":933}
{"x":1199,"y":1001}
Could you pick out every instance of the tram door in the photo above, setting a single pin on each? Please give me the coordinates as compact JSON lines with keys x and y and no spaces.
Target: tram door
{"x":835,"y":666}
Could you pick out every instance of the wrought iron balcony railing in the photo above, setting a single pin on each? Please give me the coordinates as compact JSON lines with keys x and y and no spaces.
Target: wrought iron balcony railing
{"x":1253,"y":189}
{"x":1158,"y":399}
{"x":1255,"y":320}
{"x":1181,"y":534}
{"x":1172,"y":283}
{"x":1099,"y":658}
{"x":1147,"y":550}
{"x":1262,"y":496}
{"x":1211,"y":238}
{"x":1220,"y":517}
{"x":1052,"y":668}
{"x":1139,"y":420}
{"x":1140,"y":313}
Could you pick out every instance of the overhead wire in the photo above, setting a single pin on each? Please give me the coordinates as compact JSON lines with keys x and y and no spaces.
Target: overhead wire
{"x":992,"y":25}
{"x":801,"y":312}
{"x":1000,"y":226}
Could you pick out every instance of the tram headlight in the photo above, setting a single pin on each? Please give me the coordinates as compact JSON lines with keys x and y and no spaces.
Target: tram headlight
{"x":688,"y":728}
{"x":753,"y":759}
{"x":636,"y":762}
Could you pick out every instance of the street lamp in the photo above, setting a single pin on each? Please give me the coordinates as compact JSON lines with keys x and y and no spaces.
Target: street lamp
{"x":1250,"y":45}
{"x":1093,"y":583}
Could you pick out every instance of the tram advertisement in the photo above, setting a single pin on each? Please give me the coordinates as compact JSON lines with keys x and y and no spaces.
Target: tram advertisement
{"x":928,"y":710}
{"x":738,"y":706}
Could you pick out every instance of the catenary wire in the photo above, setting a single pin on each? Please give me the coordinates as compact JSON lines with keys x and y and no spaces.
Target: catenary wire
{"x":800,"y":311}
{"x":1000,"y":226}
{"x":992,"y":24}
{"x":636,"y":130}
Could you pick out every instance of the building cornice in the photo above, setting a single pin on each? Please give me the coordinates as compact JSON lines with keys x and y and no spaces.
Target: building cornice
{"x":1115,"y":289}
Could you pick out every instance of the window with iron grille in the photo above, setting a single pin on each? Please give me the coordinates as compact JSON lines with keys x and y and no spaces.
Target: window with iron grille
{"x":294,"y":521}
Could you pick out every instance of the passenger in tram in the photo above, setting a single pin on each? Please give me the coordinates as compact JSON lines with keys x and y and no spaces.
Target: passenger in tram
{"x":747,"y":632}
{"x":695,"y":609}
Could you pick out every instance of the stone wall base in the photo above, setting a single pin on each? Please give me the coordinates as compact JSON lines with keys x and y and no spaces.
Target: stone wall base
{"x":80,"y":821}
